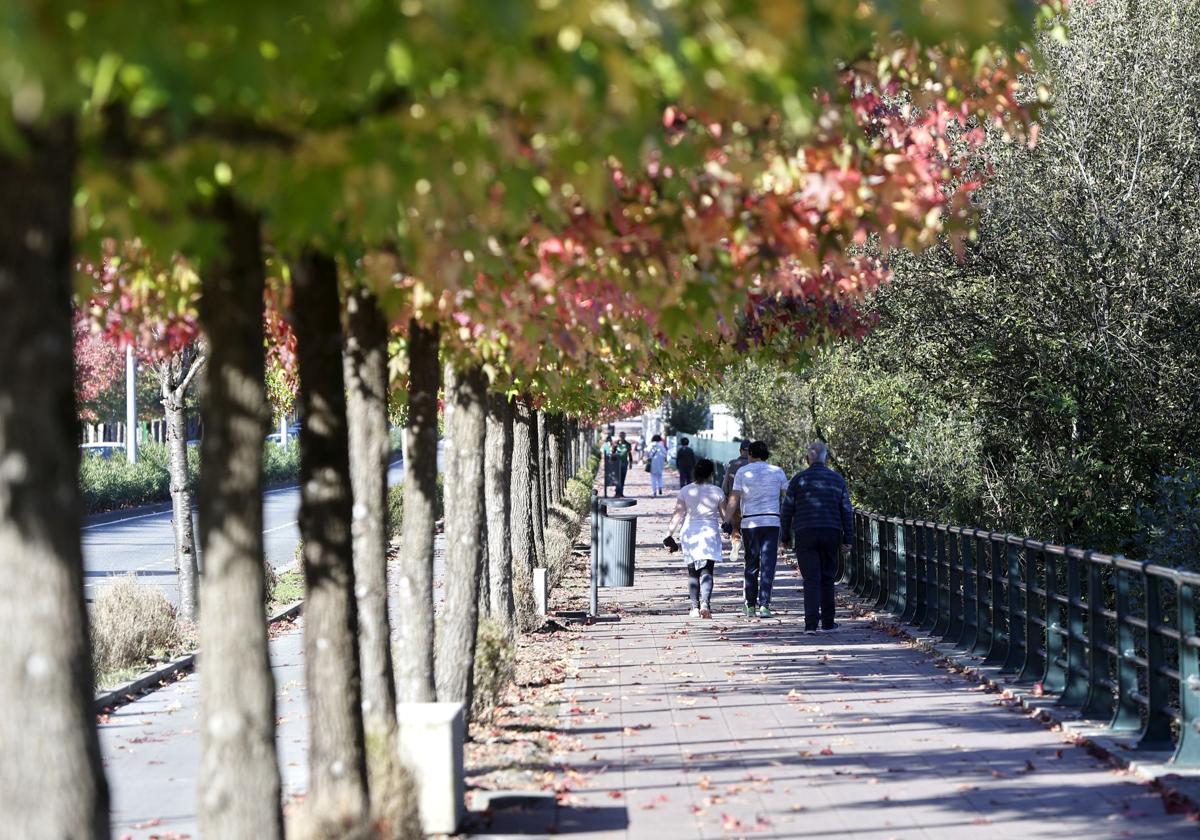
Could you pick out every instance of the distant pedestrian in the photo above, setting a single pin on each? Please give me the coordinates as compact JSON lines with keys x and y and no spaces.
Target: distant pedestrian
{"x":734,"y":526}
{"x":685,"y":462}
{"x":621,"y":453}
{"x":818,"y":518}
{"x":700,"y":510}
{"x":656,"y":459}
{"x":757,"y":491}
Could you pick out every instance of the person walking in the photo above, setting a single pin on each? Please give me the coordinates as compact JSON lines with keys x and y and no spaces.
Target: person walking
{"x":758,"y":489}
{"x":818,"y":519}
{"x":699,"y":510}
{"x":656,"y":460}
{"x":733,"y":527}
{"x":621,"y":452}
{"x":685,"y":462}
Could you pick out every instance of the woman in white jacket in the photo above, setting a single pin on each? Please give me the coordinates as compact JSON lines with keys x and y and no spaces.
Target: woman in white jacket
{"x":700,"y":510}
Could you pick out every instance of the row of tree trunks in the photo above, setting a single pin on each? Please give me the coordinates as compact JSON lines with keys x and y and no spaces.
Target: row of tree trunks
{"x":337,"y":761}
{"x":51,"y":781}
{"x":466,"y":411}
{"x":414,"y":590}
{"x":239,"y":774}
{"x":366,"y":366}
{"x":498,"y":475}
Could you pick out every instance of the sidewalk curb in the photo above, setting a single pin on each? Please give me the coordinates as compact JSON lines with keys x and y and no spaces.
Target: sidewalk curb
{"x":140,"y":686}
{"x":1096,"y":738}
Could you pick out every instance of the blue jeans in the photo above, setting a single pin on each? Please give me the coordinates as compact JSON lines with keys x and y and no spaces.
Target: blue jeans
{"x":761,"y":547}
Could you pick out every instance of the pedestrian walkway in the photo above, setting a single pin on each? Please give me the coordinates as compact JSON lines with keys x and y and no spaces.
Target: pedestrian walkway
{"x":679,"y":727}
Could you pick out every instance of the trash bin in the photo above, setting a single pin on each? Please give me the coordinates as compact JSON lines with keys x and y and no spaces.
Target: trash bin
{"x":618,"y":539}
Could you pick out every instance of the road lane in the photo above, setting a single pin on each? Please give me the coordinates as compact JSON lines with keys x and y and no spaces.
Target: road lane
{"x":142,"y":542}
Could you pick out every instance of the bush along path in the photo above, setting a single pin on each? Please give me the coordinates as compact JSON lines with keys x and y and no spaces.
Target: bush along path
{"x":744,"y":727}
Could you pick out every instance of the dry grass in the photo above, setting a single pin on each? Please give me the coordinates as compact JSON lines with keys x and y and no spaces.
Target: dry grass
{"x":395,"y":811}
{"x":134,"y":624}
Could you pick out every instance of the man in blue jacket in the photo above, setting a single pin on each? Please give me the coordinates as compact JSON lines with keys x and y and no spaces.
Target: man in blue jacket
{"x":818,"y":519}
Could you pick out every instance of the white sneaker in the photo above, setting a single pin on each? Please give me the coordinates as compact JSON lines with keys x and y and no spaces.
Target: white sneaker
{"x":695,"y":613}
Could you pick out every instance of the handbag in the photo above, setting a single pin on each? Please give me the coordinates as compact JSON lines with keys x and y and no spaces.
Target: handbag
{"x":647,"y":464}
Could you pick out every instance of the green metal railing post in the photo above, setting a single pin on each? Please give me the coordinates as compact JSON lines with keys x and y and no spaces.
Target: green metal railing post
{"x":911,"y":584}
{"x":1033,"y":668}
{"x":958,"y":605}
{"x":1157,"y":734}
{"x":1016,"y":618}
{"x":1100,"y":690}
{"x":885,"y":564}
{"x":921,"y":544}
{"x":1075,"y":691}
{"x":1055,"y":679}
{"x":970,"y":632}
{"x":929,"y":538}
{"x":1001,"y":620}
{"x":1187,"y":751}
{"x":896,"y":602}
{"x":871,"y":590}
{"x":1127,"y":716}
{"x":945,"y":606}
{"x":983,"y":589}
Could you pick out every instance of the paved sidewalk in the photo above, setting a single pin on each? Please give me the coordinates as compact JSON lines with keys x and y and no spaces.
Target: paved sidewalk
{"x":679,"y":727}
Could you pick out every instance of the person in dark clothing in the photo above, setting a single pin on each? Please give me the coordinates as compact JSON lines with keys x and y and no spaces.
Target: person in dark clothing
{"x":685,"y":461}
{"x":621,"y":455}
{"x":818,"y":519}
{"x":737,"y":463}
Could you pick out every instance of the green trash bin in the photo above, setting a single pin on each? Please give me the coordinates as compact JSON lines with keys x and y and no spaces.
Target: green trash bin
{"x":618,"y":540}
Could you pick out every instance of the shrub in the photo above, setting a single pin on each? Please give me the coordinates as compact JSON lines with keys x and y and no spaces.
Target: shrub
{"x":495,"y":667}
{"x":286,"y":588}
{"x":395,"y":506}
{"x":133,"y":623}
{"x":395,"y":812}
{"x":281,"y":463}
{"x":113,"y":483}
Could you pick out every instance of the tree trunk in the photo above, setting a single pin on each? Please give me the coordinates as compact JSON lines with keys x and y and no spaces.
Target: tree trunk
{"x":466,"y":403}
{"x":337,"y":774}
{"x":536,"y":483}
{"x":51,"y":781}
{"x":543,"y":462}
{"x":498,"y":457}
{"x":366,"y":363}
{"x":524,"y":553}
{"x":554,"y":466}
{"x":171,"y":376}
{"x":239,"y":772}
{"x":414,"y":592}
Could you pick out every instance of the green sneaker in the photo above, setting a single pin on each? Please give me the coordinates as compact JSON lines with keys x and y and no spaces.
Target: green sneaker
{"x":749,"y":611}
{"x":765,"y":612}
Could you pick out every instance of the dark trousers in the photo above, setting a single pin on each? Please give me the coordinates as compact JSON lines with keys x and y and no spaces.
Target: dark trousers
{"x":700,"y":584}
{"x":622,"y":471}
{"x":761,"y":547}
{"x":817,"y":554}
{"x":685,"y":477}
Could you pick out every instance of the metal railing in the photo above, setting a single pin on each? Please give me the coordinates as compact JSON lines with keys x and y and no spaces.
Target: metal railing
{"x":1114,"y":637}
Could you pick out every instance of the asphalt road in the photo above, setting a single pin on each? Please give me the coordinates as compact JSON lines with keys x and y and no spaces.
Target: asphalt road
{"x":141,"y":542}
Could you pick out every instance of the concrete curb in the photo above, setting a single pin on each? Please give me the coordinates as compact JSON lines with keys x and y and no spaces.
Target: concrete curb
{"x":1179,"y":787}
{"x":138,"y":687}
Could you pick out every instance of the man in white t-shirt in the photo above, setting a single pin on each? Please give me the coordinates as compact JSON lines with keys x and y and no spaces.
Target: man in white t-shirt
{"x":758,"y":489}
